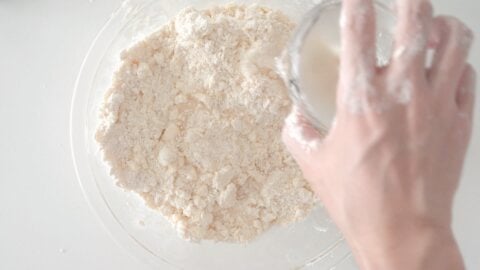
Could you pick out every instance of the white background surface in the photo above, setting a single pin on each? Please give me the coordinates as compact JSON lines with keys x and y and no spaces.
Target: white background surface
{"x":45,"y":222}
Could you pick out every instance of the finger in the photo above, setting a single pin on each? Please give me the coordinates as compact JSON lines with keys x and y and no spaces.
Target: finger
{"x":412,"y":36}
{"x":466,"y":92}
{"x":465,"y":101}
{"x":434,"y":37}
{"x":455,"y":40}
{"x":300,"y":137}
{"x":358,"y":39}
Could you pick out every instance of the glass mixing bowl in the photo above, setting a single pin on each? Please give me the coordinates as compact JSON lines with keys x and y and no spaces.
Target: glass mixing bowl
{"x":314,"y":243}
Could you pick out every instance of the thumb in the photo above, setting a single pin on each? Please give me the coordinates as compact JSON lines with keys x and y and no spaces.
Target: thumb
{"x":302,"y":140}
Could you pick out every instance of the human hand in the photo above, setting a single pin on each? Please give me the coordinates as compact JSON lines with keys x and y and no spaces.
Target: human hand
{"x":388,"y":170}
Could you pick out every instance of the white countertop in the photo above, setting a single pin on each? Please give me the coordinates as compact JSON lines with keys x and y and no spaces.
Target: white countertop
{"x":45,"y":222}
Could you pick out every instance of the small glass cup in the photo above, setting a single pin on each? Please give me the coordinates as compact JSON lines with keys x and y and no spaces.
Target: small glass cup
{"x":322,"y":24}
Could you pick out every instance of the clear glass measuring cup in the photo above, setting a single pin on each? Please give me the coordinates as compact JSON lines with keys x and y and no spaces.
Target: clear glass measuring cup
{"x":310,"y":64}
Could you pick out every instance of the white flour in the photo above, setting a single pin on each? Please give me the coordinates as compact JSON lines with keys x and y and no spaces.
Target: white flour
{"x":193,"y":120}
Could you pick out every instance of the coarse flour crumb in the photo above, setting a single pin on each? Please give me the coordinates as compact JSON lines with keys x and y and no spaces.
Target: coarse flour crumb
{"x":192,"y":123}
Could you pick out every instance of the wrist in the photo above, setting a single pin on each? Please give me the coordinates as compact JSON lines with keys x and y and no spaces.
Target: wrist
{"x":422,"y":250}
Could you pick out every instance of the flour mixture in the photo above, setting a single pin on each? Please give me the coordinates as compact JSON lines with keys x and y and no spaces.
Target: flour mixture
{"x":192,"y":123}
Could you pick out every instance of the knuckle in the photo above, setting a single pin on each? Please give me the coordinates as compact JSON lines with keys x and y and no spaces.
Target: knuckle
{"x":471,"y":70}
{"x":445,"y":23}
{"x":474,"y":73}
{"x":416,"y":10}
{"x":423,"y":10}
{"x":454,"y":26}
{"x":455,"y":30}
{"x":427,"y":8}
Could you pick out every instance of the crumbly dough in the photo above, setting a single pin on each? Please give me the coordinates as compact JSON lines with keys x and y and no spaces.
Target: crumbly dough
{"x":193,"y":123}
